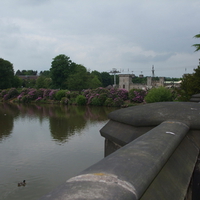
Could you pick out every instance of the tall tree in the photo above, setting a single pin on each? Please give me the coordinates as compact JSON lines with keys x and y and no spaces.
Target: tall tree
{"x":106,"y":79}
{"x":98,"y":74}
{"x":79,"y":79}
{"x":6,"y":74}
{"x":191,"y":83}
{"x":95,"y":83}
{"x":197,"y":46}
{"x":45,"y":73}
{"x":61,"y":68}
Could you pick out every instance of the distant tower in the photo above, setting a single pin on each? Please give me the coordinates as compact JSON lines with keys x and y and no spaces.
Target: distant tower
{"x":153,"y":71}
{"x":114,"y":72}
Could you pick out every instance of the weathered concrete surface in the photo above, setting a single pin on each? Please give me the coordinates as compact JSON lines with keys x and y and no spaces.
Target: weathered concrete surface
{"x":173,"y":180}
{"x":122,"y":134}
{"x":127,"y":173}
{"x":195,"y":98}
{"x":153,"y":114}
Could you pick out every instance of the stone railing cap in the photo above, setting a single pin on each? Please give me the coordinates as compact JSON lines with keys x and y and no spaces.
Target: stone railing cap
{"x":152,"y":114}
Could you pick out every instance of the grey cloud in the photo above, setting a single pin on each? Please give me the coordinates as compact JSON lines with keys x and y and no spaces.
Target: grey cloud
{"x":98,"y":34}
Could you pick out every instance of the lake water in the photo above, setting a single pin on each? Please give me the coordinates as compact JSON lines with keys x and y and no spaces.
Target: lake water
{"x":46,"y":145}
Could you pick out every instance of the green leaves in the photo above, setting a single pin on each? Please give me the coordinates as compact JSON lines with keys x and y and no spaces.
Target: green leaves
{"x":197,"y":46}
{"x":6,"y":74}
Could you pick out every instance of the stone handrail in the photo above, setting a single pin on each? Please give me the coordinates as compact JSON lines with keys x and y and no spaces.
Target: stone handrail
{"x":153,"y":164}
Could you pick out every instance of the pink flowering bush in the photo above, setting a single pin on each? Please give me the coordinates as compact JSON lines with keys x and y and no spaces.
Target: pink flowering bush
{"x":137,"y":95}
{"x":108,"y":97}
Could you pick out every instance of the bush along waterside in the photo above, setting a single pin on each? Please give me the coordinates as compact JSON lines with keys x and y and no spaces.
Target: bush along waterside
{"x":94,"y":97}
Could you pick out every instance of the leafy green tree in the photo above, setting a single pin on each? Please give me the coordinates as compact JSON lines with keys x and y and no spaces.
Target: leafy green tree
{"x":158,"y":95}
{"x":191,"y":83}
{"x":94,"y":83}
{"x":96,"y":73}
{"x":17,"y":82}
{"x":26,"y":72}
{"x":6,"y":74}
{"x":61,"y":68}
{"x":141,"y":80}
{"x":29,"y":83}
{"x":197,"y":46}
{"x":45,"y":73}
{"x":106,"y":79}
{"x":79,"y":79}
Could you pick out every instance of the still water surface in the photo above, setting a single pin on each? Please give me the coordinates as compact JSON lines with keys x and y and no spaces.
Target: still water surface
{"x":46,"y":145}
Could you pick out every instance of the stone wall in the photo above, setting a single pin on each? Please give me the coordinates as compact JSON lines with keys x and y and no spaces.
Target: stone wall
{"x":156,"y":156}
{"x":125,"y":82}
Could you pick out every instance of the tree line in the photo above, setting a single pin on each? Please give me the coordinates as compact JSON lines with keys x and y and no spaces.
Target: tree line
{"x":63,"y":74}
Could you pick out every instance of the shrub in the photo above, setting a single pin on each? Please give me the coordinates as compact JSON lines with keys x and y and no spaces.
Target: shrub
{"x":96,"y":101}
{"x":158,"y":95}
{"x":6,"y":97}
{"x":137,"y":95}
{"x":13,"y":92}
{"x":32,"y":95}
{"x":60,"y":94}
{"x":25,"y":99}
{"x":3,"y":93}
{"x":81,"y":100}
{"x":102,"y":98}
{"x":46,"y":93}
{"x":123,"y":94}
{"x":52,"y":94}
{"x":73,"y":94}
{"x":64,"y":100}
{"x":108,"y":102}
{"x":118,"y":102}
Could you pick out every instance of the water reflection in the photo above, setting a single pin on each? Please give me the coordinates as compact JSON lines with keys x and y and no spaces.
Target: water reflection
{"x":7,"y":113}
{"x":30,"y":138}
{"x":64,"y":121}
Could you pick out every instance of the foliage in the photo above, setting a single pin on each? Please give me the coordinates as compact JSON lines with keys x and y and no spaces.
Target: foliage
{"x":81,"y":100}
{"x":158,"y":95}
{"x":45,"y":73}
{"x":64,"y":100}
{"x":114,"y":92}
{"x":52,"y":94}
{"x":28,"y":83}
{"x":118,"y":102}
{"x":96,"y":73}
{"x":139,"y":80}
{"x":197,"y":46}
{"x":79,"y":79}
{"x":106,"y":79}
{"x":108,"y":97}
{"x":191,"y":84}
{"x":17,"y":82}
{"x":13,"y":92}
{"x":6,"y":74}
{"x":43,"y":82}
{"x":137,"y":95}
{"x":96,"y":101}
{"x":108,"y":102}
{"x":61,"y":68}
{"x":26,"y":72}
{"x":25,"y":99}
{"x":95,"y":83}
{"x":60,"y":94}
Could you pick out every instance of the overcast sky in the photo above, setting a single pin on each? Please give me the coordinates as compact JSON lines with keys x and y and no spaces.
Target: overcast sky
{"x":129,"y":35}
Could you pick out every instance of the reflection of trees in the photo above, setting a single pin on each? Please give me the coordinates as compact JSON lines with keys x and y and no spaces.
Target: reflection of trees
{"x":73,"y":119}
{"x":7,"y":114}
{"x":66,"y":122}
{"x":98,"y":113}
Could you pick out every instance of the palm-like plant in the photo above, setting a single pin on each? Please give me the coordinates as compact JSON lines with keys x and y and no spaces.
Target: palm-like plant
{"x":197,"y":46}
